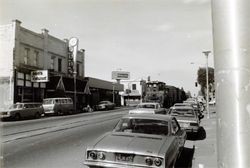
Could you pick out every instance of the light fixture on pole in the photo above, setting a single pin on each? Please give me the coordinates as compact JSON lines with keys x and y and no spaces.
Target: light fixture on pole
{"x":207,"y":96}
{"x":73,"y":45}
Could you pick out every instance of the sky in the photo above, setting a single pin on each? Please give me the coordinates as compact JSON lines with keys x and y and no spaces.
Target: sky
{"x":163,"y":39}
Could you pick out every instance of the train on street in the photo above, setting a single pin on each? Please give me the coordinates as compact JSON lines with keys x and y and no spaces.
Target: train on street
{"x":166,"y":95}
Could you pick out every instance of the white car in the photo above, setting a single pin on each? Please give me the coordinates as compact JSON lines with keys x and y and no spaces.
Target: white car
{"x":148,"y":108}
{"x":212,"y":102}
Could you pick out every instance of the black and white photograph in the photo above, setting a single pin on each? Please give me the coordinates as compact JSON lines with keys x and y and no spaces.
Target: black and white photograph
{"x":124,"y":83}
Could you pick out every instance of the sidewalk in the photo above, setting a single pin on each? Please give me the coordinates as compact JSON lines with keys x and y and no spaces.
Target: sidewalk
{"x":205,"y":155}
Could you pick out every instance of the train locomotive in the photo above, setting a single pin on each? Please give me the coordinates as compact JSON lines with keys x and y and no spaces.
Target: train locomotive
{"x":166,"y":95}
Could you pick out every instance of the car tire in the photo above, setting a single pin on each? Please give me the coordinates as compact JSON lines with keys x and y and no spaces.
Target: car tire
{"x":37,"y":115}
{"x":17,"y":117}
{"x":59,"y":112}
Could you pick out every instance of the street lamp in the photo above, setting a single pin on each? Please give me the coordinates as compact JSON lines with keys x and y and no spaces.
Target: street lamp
{"x":207,"y":96}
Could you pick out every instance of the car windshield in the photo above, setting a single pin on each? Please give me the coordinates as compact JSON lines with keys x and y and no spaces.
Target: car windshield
{"x":15,"y":106}
{"x":151,"y":106}
{"x":144,"y":126}
{"x":182,"y":112}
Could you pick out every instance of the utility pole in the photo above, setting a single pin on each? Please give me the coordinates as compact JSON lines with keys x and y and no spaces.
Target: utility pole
{"x":207,"y":95}
{"x":113,"y":86}
{"x":231,"y":32}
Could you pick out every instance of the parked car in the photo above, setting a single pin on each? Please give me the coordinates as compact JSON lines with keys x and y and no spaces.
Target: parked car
{"x":149,"y":108}
{"x":23,"y":110}
{"x":138,"y":141}
{"x":212,"y":102}
{"x":187,"y":118}
{"x":197,"y":107}
{"x":104,"y":105}
{"x":58,"y":106}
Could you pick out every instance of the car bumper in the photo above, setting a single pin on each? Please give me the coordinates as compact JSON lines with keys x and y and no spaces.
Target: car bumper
{"x":115,"y":165}
{"x":191,"y":130}
{"x":49,"y":112}
{"x":5,"y":116}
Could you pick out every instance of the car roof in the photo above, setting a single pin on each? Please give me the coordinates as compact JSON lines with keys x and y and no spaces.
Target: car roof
{"x":149,"y":116}
{"x":183,"y":107}
{"x":187,"y":104}
{"x":190,"y":101}
{"x":148,"y":103}
{"x":57,"y":98}
{"x":29,"y":103}
{"x":105,"y":101}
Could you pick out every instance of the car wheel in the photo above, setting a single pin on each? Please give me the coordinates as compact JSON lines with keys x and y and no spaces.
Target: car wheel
{"x":59,"y":112}
{"x":70,"y":112}
{"x":37,"y":115}
{"x":17,"y":116}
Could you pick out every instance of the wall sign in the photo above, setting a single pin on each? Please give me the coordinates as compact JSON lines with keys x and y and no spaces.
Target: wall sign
{"x":40,"y":76}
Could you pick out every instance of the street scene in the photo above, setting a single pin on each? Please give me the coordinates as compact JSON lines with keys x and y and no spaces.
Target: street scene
{"x":124,"y":84}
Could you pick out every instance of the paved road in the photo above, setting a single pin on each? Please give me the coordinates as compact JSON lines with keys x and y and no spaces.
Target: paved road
{"x":60,"y":141}
{"x":53,"y":142}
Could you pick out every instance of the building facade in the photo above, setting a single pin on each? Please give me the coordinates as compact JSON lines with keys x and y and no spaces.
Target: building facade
{"x":23,"y":52}
{"x":133,"y":93}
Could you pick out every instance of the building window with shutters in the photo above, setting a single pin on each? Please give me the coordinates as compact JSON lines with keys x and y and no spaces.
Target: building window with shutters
{"x":59,"y":65}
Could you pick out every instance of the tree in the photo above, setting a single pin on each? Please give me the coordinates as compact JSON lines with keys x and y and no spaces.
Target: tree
{"x":201,"y":79}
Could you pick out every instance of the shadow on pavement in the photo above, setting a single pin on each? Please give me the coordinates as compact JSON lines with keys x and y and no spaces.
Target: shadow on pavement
{"x":185,"y":159}
{"x":201,"y":135}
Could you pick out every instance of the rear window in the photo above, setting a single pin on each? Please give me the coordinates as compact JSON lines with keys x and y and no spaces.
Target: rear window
{"x":182,"y":112}
{"x":151,"y":106}
{"x":145,"y":126}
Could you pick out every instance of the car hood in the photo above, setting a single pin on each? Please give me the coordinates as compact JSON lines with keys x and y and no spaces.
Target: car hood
{"x":129,"y":143}
{"x":8,"y":110}
{"x":142,"y":110}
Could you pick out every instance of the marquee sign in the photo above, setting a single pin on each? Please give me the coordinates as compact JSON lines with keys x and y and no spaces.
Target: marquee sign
{"x":39,"y":76}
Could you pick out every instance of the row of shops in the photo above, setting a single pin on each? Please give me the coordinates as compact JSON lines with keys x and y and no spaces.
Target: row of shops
{"x":89,"y":91}
{"x":25,"y":52}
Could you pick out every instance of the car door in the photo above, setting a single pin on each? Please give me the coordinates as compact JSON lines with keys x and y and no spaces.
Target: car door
{"x":179,"y":133}
{"x":27,"y":109}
